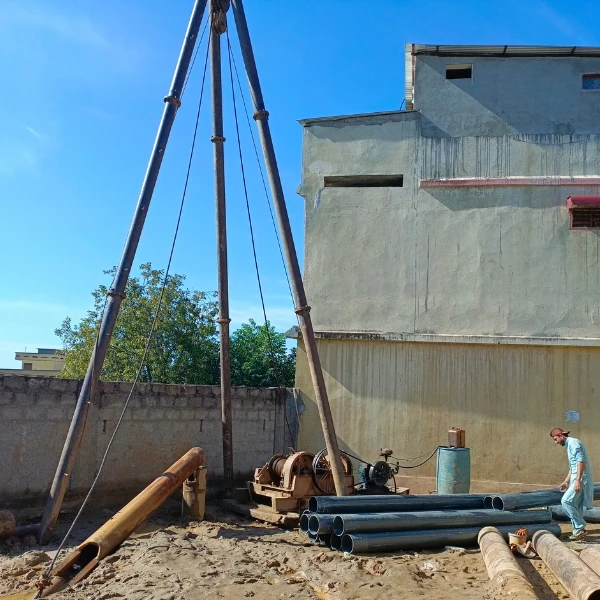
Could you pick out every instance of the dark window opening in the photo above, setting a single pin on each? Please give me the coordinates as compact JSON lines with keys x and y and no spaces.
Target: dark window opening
{"x":590,"y":81}
{"x":364,"y":180}
{"x":587,"y":217}
{"x":28,"y":366}
{"x":459,"y":71}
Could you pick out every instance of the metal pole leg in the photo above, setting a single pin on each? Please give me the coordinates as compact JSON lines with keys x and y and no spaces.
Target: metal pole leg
{"x":302,"y":308}
{"x":117,"y":292}
{"x":218,"y":10}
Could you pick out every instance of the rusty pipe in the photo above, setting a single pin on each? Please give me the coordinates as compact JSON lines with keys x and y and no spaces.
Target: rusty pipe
{"x":591,"y":557}
{"x":504,"y":572}
{"x":576,"y":577}
{"x":79,"y":563}
{"x":194,"y":495}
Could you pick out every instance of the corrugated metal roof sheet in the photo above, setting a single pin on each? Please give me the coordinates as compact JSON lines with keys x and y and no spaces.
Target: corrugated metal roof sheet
{"x":316,"y":120}
{"x":507,"y":51}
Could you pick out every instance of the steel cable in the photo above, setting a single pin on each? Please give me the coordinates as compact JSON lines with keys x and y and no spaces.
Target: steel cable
{"x":275,"y":366}
{"x":262,"y":175}
{"x":148,"y":341}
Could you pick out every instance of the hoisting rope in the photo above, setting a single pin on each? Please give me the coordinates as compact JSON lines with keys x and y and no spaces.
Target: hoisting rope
{"x":274,"y":365}
{"x":268,"y":200}
{"x":262,"y":175}
{"x":44,"y":581}
{"x":190,"y":70}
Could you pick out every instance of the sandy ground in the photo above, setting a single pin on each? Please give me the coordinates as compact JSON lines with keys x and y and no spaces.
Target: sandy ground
{"x":230,"y":557}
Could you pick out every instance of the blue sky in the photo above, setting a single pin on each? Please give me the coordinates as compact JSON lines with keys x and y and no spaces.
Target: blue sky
{"x":82,"y":96}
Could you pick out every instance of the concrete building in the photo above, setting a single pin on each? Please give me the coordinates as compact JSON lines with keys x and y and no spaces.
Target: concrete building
{"x":45,"y":362}
{"x":452,"y":262}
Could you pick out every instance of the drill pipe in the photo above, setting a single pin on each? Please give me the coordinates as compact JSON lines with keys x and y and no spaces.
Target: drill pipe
{"x":320,"y":523}
{"x":304,"y":517}
{"x":391,"y":502}
{"x":356,"y":543}
{"x":591,"y":515}
{"x":503,"y":570}
{"x":532,"y":499}
{"x":434,"y":519}
{"x":79,"y":563}
{"x":335,"y":542}
{"x":577,"y":578}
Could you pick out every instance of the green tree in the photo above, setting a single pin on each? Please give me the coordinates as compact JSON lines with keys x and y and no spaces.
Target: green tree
{"x":259,"y":357}
{"x":184,"y":347}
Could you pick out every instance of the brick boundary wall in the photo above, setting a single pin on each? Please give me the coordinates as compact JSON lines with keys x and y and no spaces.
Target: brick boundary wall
{"x":162,"y":422}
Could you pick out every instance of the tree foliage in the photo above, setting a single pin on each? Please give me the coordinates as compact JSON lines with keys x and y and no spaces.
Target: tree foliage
{"x":184,"y":347}
{"x":259,"y":357}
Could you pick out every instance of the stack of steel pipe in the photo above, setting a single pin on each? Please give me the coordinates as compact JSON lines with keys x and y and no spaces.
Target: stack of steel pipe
{"x":361,"y":524}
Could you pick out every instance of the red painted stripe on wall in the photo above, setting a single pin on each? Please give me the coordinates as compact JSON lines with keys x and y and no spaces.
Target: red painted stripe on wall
{"x":507,"y":181}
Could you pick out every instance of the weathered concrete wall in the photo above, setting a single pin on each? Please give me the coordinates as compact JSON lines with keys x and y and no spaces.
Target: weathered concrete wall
{"x":405,"y":396}
{"x":452,"y":261}
{"x":468,"y":266}
{"x":160,"y":425}
{"x":527,"y":95}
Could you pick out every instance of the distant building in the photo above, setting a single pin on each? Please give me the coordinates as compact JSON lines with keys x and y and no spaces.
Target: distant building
{"x":452,"y":263}
{"x":45,"y":362}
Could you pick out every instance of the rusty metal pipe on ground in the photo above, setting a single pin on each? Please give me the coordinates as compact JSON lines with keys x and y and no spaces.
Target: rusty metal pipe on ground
{"x":504,"y":572}
{"x":79,"y":563}
{"x":194,"y":495}
{"x":576,"y":577}
{"x":591,"y":557}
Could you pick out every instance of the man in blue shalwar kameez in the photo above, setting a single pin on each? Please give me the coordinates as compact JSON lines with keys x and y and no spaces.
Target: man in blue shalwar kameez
{"x":579,"y":483}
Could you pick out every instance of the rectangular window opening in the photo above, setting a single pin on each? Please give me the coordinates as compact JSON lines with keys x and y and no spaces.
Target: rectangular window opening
{"x":584,"y":212}
{"x":459,"y":71}
{"x":585,"y":218}
{"x":28,"y":366}
{"x":590,"y":81}
{"x":363,"y":180}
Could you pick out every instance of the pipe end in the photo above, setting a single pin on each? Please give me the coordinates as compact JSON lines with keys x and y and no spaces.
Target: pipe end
{"x":338,"y":525}
{"x":304,"y":523}
{"x":497,"y":503}
{"x":313,"y":504}
{"x":313,"y":524}
{"x":487,"y":502}
{"x":347,"y":544}
{"x":335,"y":542}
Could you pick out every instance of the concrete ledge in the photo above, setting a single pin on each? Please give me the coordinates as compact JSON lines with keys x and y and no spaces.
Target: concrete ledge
{"x":515,"y":340}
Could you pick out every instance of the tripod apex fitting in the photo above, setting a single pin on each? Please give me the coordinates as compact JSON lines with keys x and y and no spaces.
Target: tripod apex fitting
{"x":218,"y":9}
